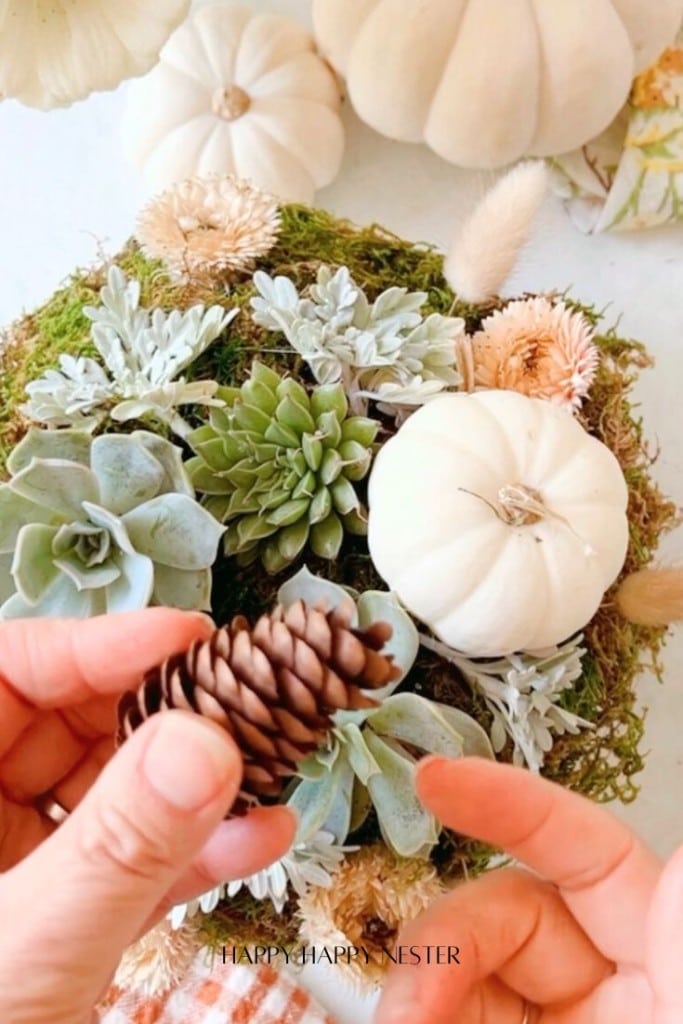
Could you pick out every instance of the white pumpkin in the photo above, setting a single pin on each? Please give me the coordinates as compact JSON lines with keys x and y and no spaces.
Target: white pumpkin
{"x":238,"y":93}
{"x":52,"y":53}
{"x":498,"y":521}
{"x":485,"y":82}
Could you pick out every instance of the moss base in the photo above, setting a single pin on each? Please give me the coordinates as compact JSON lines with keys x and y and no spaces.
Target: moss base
{"x":600,"y":763}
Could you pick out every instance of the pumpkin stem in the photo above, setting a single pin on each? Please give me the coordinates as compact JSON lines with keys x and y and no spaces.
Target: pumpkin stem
{"x":231,"y":102}
{"x":520,"y":506}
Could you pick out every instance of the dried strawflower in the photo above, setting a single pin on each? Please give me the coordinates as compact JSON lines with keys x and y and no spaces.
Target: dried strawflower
{"x":464,"y":362}
{"x":538,"y":348}
{"x":158,"y":961}
{"x":209,"y":227}
{"x":372,"y":896}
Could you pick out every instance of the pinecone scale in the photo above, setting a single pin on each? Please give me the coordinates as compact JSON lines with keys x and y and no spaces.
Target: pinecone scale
{"x":274,"y":688}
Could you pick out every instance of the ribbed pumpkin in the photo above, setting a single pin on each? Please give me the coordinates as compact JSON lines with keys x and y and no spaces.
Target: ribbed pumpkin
{"x":484,"y":82}
{"x":498,"y":521}
{"x":237,"y":92}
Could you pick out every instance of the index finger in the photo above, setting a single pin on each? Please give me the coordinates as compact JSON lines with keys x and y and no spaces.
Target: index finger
{"x":51,"y":663}
{"x":605,"y":875}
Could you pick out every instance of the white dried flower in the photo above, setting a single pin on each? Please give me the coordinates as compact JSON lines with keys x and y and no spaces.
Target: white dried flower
{"x":159,"y":960}
{"x":522,"y":692}
{"x":386,"y":351}
{"x":207,"y":227}
{"x":143,"y":352}
{"x":309,"y":862}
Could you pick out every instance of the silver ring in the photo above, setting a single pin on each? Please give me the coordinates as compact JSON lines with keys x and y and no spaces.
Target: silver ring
{"x":52,"y":809}
{"x":526,"y":1019}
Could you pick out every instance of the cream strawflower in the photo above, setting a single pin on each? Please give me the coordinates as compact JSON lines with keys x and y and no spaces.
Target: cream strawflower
{"x":538,"y":348}
{"x":53,"y":52}
{"x":373,"y":894}
{"x":158,"y":961}
{"x":209,"y":226}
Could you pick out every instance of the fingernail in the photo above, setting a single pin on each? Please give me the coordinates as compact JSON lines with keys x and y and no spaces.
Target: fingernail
{"x":187,"y":762}
{"x":205,"y":619}
{"x":400,"y":1004}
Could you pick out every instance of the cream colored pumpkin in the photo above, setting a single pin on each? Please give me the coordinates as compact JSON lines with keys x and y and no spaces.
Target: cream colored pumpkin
{"x":53,"y":52}
{"x":498,"y":521}
{"x":238,"y":93}
{"x":485,"y":82}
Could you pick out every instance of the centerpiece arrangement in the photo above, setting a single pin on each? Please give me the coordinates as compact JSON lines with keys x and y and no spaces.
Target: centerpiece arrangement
{"x":409,"y":512}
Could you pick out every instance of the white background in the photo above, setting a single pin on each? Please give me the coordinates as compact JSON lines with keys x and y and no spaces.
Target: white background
{"x":66,"y":192}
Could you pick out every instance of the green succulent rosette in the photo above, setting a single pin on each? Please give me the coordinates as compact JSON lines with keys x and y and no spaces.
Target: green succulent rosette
{"x":109,"y":524}
{"x":278,"y":464}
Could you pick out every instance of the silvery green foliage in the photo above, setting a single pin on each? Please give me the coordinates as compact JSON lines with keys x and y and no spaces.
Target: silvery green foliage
{"x":308,"y":862}
{"x":522,"y":692}
{"x":105,"y":525}
{"x":368,"y":760}
{"x":143,"y":352}
{"x":385,"y":350}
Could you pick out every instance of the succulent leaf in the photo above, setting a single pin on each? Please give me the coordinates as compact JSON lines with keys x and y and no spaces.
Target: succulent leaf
{"x":387,"y":351}
{"x":114,"y":528}
{"x":279,"y":465}
{"x":142,"y":353}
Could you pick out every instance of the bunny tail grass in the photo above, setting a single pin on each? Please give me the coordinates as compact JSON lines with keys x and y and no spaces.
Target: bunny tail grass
{"x":652,"y":597}
{"x":488,"y":244}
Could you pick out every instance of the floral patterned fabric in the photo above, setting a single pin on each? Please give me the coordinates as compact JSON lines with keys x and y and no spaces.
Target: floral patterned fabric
{"x":219,"y":994}
{"x":631,"y":176}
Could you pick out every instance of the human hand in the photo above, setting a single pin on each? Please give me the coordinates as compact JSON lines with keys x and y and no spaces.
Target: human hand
{"x":597,"y":940}
{"x":147,"y":830}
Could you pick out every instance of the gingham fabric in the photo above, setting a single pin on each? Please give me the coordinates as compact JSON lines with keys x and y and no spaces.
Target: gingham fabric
{"x":222,"y":994}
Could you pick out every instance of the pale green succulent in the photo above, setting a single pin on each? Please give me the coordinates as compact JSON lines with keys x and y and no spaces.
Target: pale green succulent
{"x":370,"y":757}
{"x":105,"y":525}
{"x":279,"y":466}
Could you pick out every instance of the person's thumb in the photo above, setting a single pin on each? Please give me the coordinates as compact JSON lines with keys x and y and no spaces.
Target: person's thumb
{"x":100,"y":876}
{"x":665,"y":943}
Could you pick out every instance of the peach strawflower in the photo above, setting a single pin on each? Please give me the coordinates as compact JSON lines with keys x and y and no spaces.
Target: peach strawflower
{"x":209,"y":227}
{"x":373,"y":894}
{"x":464,"y":361}
{"x":538,"y":348}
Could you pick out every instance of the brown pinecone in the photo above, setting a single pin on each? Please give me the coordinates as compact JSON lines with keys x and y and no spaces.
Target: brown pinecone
{"x":273,"y":687}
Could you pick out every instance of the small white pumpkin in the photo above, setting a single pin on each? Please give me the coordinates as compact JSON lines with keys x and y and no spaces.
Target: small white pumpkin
{"x":238,"y":93}
{"x":498,"y":521}
{"x":485,"y":82}
{"x":53,"y":52}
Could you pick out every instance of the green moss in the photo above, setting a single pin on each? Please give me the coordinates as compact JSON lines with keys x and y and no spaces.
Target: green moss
{"x":602,"y":762}
{"x":244,"y":921}
{"x":34,"y":345}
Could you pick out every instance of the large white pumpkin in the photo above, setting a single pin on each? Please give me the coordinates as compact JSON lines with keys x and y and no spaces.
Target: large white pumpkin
{"x":240,"y":93}
{"x":498,"y":521}
{"x":53,"y":52}
{"x":485,"y":82}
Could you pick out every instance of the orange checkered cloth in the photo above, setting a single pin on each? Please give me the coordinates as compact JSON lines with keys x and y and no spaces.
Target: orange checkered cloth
{"x":220,"y":994}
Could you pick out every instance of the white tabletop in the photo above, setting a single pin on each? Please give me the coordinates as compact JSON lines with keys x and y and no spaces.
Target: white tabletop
{"x":66,"y":193}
